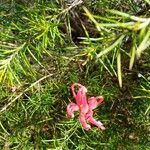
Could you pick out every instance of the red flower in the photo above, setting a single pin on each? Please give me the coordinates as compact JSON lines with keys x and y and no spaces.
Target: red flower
{"x":85,"y":106}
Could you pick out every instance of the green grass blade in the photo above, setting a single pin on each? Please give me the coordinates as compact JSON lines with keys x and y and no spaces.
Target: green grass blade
{"x":2,"y":73}
{"x":147,"y":110}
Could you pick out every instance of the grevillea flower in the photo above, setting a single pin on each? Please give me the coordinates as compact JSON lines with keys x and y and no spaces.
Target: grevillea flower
{"x":84,"y":106}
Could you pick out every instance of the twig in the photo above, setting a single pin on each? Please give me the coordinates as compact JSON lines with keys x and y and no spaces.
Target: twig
{"x":75,"y":3}
{"x":33,"y":84}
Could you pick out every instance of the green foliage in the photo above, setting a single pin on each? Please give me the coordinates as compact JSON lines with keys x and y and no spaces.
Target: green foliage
{"x":114,"y":33}
{"x":45,"y":46}
{"x":25,"y":40}
{"x":38,"y":118}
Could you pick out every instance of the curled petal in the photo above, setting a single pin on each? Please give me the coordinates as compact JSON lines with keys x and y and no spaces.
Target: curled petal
{"x":100,"y":99}
{"x":90,"y":119}
{"x":83,"y":122}
{"x":71,"y":108}
{"x":80,"y":95}
{"x":96,"y":123}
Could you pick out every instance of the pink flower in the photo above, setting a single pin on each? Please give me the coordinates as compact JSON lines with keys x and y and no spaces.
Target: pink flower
{"x":84,"y":106}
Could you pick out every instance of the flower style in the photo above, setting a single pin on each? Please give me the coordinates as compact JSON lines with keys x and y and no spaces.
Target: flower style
{"x":84,"y":106}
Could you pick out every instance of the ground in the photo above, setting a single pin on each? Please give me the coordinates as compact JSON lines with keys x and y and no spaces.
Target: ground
{"x":41,"y":56}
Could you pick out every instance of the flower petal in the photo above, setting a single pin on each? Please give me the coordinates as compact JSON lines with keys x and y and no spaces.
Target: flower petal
{"x":80,"y":96}
{"x":71,"y":108}
{"x":96,"y":123}
{"x":83,"y":122}
{"x":93,"y":102}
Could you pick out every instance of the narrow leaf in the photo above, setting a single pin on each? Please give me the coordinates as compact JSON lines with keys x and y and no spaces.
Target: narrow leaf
{"x":105,"y":66}
{"x":148,"y":1}
{"x":132,"y":53}
{"x":104,"y":52}
{"x":119,"y":72}
{"x":144,"y":44}
{"x":91,"y":18}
